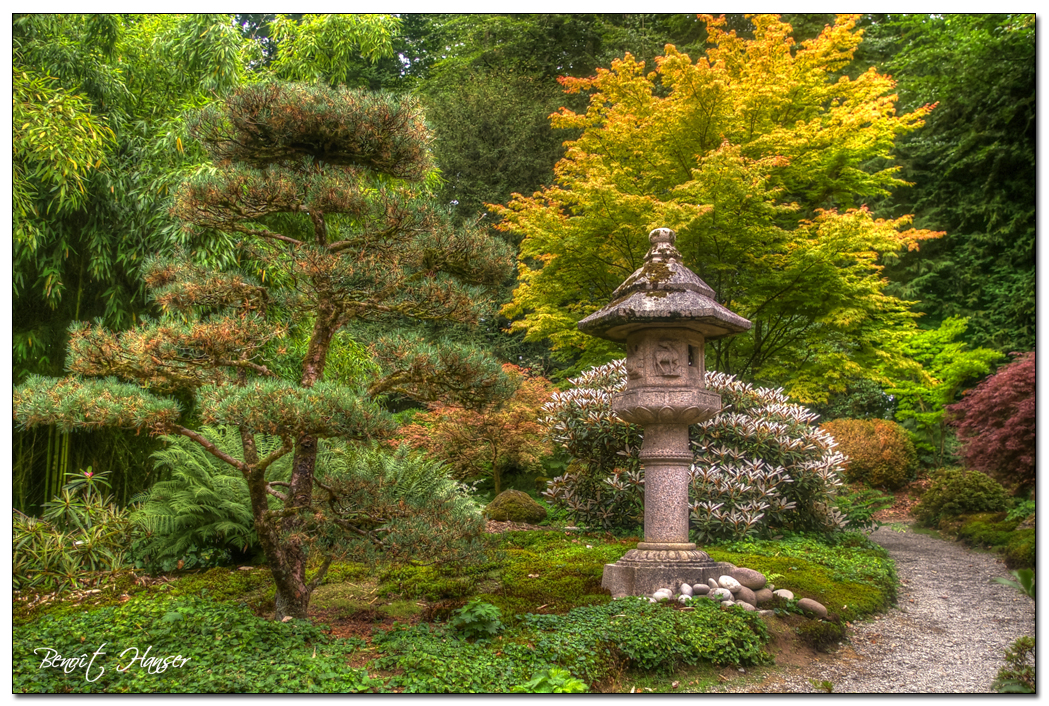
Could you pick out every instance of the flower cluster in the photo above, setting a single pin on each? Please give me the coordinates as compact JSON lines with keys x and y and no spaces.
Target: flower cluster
{"x":760,"y":465}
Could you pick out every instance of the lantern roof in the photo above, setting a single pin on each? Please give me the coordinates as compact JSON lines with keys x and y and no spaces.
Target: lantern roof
{"x":663,"y":293}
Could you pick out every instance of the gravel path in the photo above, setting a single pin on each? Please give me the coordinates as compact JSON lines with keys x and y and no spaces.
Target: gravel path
{"x":947,"y":635}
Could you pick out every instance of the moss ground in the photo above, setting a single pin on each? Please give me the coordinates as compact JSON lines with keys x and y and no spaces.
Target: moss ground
{"x":536,"y":573}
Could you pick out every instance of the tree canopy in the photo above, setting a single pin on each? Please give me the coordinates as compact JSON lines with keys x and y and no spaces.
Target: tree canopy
{"x":971,"y":169}
{"x":322,"y":193}
{"x":759,"y":158}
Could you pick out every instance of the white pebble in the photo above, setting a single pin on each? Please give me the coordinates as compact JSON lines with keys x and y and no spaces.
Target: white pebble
{"x":721,"y":594}
{"x":685,"y":590}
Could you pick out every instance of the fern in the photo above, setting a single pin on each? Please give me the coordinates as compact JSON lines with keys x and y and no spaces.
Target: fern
{"x":202,"y":514}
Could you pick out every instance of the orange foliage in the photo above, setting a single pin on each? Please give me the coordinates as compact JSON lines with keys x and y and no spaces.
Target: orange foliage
{"x":880,"y":452}
{"x":478,"y":443}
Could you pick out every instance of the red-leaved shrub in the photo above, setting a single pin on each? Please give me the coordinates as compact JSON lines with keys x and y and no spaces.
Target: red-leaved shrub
{"x":996,"y":424}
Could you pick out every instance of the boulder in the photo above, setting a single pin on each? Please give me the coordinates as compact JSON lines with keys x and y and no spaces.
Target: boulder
{"x":812,"y":607}
{"x":754,"y":580}
{"x":783,"y":593}
{"x":713,"y":584}
{"x":729,"y":583}
{"x":746,"y":606}
{"x":745,"y":595}
{"x":762,"y":596}
{"x":515,"y":506}
{"x":685,"y":590}
{"x":700,"y":589}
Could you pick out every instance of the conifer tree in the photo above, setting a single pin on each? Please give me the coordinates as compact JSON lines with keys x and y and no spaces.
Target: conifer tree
{"x":322,"y":192}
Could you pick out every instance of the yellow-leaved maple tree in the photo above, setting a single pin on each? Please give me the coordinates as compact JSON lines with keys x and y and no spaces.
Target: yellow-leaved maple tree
{"x":762,"y":158}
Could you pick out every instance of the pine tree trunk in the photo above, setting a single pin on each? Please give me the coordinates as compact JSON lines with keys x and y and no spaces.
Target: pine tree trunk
{"x":284,"y":554}
{"x":285,"y":547}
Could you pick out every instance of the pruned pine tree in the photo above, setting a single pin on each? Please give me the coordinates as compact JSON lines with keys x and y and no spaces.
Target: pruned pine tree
{"x":323,"y":189}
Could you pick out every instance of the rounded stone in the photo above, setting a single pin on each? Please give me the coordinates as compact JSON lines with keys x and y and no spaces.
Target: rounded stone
{"x":721,"y":594}
{"x":725,"y":605}
{"x":685,"y":590}
{"x":746,"y":606}
{"x":783,"y":593}
{"x":700,"y":589}
{"x":754,"y":580}
{"x":766,"y":613}
{"x":515,"y":506}
{"x":745,"y":595}
{"x":762,"y":596}
{"x":729,"y":583}
{"x":810,"y":606}
{"x":713,"y":584}
{"x":684,"y":600}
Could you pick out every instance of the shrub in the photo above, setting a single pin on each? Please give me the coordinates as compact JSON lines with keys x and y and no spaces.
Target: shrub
{"x":1023,"y":510}
{"x":81,"y":532}
{"x":486,"y":442}
{"x":759,"y":465}
{"x":955,"y":491}
{"x":404,"y":504}
{"x":1018,"y":674}
{"x":515,"y":506}
{"x":858,"y":508}
{"x":996,"y":423}
{"x":879,"y":452}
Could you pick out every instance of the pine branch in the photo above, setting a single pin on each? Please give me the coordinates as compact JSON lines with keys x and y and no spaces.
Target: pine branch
{"x":211,"y":448}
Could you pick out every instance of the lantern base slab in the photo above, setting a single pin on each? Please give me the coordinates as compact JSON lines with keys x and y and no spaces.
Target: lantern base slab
{"x":641,"y":572}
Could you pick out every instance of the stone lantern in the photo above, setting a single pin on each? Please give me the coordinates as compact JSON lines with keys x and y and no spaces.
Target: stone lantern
{"x":665,"y":314}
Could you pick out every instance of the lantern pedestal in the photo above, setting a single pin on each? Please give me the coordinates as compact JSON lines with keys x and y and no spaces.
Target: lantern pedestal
{"x":643,"y":571}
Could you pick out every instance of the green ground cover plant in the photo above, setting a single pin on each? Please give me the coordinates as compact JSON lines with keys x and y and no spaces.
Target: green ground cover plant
{"x":591,"y":643}
{"x":230,"y":650}
{"x":559,"y":628}
{"x":994,"y":530}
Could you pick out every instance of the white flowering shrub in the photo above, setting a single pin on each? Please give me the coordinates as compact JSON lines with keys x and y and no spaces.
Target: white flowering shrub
{"x":761,"y":465}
